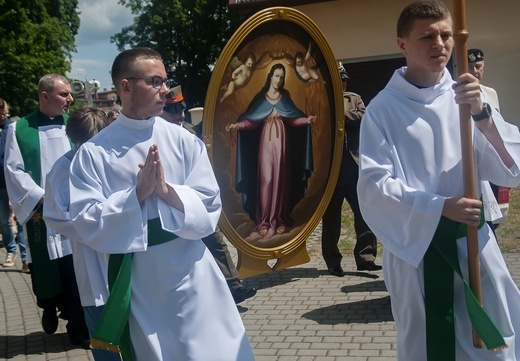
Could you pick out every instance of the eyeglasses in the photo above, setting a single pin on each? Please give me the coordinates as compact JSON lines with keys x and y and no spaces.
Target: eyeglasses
{"x":156,"y":81}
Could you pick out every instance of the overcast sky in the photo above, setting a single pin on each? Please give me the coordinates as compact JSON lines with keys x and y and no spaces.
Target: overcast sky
{"x":100,"y":19}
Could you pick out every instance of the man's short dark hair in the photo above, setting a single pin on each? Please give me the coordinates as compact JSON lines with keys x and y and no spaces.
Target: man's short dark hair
{"x":124,"y":65}
{"x":424,"y":9}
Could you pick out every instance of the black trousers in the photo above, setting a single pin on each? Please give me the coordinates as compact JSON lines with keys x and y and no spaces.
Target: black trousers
{"x":366,"y":242}
{"x":219,"y":249}
{"x":68,"y":301}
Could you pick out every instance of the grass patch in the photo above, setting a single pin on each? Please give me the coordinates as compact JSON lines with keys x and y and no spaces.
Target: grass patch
{"x":508,"y":233}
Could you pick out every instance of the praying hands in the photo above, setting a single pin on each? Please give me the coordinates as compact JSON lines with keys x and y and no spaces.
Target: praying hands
{"x":150,"y":179}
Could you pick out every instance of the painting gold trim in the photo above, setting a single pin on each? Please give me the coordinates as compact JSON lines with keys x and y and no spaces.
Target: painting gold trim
{"x":275,"y":34}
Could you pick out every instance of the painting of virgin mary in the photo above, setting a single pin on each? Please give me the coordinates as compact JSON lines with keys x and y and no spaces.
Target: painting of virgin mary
{"x":274,"y":155}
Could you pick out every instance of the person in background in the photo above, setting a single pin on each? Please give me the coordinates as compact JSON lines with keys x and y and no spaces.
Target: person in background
{"x":90,"y":266}
{"x":494,"y":212}
{"x":10,"y":229}
{"x":476,"y":67}
{"x":33,"y":144}
{"x":114,"y":113}
{"x":174,"y":108}
{"x":365,"y":250}
{"x":143,"y":191}
{"x":173,"y":112}
{"x":410,"y":192}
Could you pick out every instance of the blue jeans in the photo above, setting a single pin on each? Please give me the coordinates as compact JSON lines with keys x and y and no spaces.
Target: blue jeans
{"x":5,"y":228}
{"x":92,"y":315}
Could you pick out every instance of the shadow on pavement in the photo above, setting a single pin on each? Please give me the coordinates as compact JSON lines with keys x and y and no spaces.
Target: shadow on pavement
{"x":35,"y":343}
{"x":281,"y":277}
{"x":11,"y":269}
{"x":366,"y":311}
{"x":288,"y":275}
{"x":374,"y":286}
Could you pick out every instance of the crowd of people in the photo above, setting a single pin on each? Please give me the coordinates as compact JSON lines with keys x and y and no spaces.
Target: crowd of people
{"x":73,"y":272}
{"x":110,"y":202}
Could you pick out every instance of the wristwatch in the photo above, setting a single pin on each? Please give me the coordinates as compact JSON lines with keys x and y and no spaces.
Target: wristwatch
{"x":486,"y":113}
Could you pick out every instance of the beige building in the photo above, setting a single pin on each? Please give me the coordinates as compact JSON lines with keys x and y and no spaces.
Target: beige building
{"x":362,"y":34}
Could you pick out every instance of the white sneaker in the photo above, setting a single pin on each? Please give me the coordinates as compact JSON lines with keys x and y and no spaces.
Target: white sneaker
{"x":9,"y":260}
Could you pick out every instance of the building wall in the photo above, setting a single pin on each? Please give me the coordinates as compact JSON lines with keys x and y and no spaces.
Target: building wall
{"x":360,"y":30}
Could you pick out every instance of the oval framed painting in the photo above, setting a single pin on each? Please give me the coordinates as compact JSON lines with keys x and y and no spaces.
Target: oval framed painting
{"x":273,"y":124}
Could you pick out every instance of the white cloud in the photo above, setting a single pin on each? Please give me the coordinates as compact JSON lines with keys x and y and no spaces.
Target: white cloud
{"x":100,"y":19}
{"x":79,"y":70}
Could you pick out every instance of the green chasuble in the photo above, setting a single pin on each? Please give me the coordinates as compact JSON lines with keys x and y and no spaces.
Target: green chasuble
{"x":45,"y":276}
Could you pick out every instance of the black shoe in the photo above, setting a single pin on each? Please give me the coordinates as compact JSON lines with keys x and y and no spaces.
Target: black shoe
{"x":80,"y":341}
{"x":369,"y":266}
{"x":243,"y":294}
{"x":49,"y":321}
{"x":336,"y":271}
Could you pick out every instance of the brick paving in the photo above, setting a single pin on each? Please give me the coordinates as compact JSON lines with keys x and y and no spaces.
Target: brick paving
{"x":300,"y":313}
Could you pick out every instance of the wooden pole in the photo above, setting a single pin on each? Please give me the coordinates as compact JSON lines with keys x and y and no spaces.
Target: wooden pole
{"x":461,"y":48}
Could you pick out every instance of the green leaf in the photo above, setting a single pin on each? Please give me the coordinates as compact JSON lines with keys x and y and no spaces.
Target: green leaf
{"x":37,"y":38}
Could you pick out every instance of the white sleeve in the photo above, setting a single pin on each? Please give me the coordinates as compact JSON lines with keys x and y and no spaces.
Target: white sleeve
{"x":112,"y":224}
{"x":404,"y":219}
{"x":24,"y":193}
{"x":200,"y":195}
{"x":56,"y":206}
{"x":490,"y":166}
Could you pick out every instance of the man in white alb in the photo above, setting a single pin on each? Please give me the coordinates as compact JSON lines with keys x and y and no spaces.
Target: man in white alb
{"x":411,"y":195}
{"x":144,"y":192}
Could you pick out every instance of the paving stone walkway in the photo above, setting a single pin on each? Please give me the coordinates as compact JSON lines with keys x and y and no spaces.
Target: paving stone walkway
{"x":299,"y":314}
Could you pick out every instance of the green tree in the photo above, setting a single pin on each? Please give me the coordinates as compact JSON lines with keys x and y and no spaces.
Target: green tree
{"x":36,"y":38}
{"x":189,"y":35}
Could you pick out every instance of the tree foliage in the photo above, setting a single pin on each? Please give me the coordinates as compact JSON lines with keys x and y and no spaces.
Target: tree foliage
{"x":36,"y":38}
{"x":189,"y":35}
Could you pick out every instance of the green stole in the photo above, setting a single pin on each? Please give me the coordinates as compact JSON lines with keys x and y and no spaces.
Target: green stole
{"x":112,"y":331}
{"x":440,"y":261}
{"x":46,"y":277}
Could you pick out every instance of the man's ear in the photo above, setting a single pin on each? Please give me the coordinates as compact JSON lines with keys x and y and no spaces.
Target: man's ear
{"x":125,"y":86}
{"x":401,"y":45}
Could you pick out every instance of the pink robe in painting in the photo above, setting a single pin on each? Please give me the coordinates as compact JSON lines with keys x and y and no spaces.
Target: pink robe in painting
{"x":274,"y":156}
{"x":274,"y":174}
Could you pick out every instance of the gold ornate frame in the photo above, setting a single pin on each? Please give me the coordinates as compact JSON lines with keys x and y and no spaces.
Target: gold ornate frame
{"x":276,"y":35}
